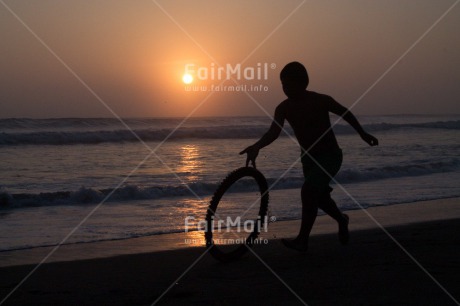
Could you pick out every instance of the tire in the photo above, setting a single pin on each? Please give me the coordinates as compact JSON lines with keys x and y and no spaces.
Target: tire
{"x":231,"y":178}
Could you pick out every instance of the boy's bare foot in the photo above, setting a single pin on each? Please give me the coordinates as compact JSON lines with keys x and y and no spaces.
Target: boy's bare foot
{"x":344,"y":236}
{"x":295,"y":244}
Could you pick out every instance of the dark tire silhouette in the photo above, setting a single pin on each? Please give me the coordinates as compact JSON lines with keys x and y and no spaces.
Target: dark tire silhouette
{"x":231,"y":178}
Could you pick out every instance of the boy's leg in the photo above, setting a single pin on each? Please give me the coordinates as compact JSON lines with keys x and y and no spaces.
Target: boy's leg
{"x":310,"y":200}
{"x":316,"y":193}
{"x":318,"y":172}
{"x":327,"y":204}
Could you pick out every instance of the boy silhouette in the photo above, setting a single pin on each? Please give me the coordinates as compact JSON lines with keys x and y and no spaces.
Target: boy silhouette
{"x":308,"y":114}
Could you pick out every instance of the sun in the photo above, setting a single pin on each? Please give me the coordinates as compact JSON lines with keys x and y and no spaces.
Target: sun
{"x":187,"y":78}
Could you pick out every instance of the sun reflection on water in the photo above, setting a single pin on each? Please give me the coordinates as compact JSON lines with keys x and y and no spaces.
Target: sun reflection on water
{"x":190,"y":165}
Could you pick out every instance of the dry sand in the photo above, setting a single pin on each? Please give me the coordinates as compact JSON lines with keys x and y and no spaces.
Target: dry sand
{"x":415,"y":262}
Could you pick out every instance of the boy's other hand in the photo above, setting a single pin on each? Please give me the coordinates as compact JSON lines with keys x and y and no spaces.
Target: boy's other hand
{"x":371,"y":140}
{"x":252,"y":153}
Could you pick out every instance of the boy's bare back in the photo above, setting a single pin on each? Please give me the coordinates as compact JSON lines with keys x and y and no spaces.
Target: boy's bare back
{"x":308,"y":115}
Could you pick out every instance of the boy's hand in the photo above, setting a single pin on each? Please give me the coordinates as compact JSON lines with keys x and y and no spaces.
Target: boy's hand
{"x":371,"y":140}
{"x":252,"y":153}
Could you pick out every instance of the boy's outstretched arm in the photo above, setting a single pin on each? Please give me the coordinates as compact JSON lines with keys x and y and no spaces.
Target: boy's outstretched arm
{"x":348,"y":116}
{"x":270,"y":136}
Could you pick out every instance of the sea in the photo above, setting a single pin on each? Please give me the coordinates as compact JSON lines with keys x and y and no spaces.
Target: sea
{"x":83,"y":180}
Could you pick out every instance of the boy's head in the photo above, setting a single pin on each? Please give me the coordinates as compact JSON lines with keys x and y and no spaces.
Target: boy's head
{"x":294,"y":78}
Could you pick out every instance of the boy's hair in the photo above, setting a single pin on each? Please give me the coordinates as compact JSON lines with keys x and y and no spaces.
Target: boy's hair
{"x":295,"y":71}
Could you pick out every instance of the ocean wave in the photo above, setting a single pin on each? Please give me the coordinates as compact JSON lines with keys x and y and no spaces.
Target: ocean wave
{"x":86,"y":195}
{"x":95,"y":137}
{"x":415,"y":168}
{"x":67,"y":137}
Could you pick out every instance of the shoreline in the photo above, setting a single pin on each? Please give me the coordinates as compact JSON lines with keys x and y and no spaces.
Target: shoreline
{"x":387,"y":216}
{"x":371,"y":270}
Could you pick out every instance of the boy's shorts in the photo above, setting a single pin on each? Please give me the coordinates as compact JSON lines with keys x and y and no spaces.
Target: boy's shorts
{"x":315,"y":176}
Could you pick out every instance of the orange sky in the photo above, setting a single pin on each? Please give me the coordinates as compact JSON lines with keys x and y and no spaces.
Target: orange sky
{"x":132,"y":55}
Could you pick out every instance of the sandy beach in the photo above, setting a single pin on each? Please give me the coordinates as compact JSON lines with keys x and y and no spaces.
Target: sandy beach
{"x":413,"y":261}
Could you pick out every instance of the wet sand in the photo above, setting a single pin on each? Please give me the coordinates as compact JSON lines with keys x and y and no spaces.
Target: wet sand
{"x":413,"y":261}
